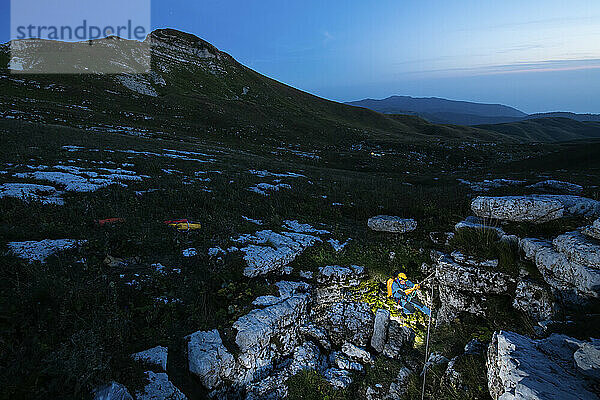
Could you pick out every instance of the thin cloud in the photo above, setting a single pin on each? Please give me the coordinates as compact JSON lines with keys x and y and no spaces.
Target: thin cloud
{"x":518,"y":68}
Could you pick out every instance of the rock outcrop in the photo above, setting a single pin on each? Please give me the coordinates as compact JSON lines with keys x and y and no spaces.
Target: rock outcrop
{"x":267,"y":251}
{"x":464,"y":288}
{"x":380,"y":328}
{"x":208,"y":358}
{"x":535,"y":300}
{"x":265,"y":335}
{"x":349,"y":321}
{"x":156,"y":356}
{"x":534,"y":208}
{"x":398,"y":339}
{"x":387,"y":223}
{"x":159,"y":387}
{"x":520,"y":368}
{"x":571,"y":281}
{"x":579,"y":249}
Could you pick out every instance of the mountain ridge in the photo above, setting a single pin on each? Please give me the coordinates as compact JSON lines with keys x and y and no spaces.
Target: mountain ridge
{"x":195,"y":90}
{"x":443,"y":111}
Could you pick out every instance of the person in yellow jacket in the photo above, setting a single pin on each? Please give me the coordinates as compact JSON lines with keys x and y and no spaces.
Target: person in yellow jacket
{"x":403,"y":291}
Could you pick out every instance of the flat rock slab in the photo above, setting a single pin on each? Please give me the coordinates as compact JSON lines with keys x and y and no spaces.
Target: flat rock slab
{"x":561,"y":186}
{"x":534,"y":208}
{"x":40,"y":251}
{"x":268,"y":251}
{"x":387,"y":223}
{"x":520,"y":368}
{"x":576,"y":283}
{"x":579,"y":249}
{"x":478,"y":223}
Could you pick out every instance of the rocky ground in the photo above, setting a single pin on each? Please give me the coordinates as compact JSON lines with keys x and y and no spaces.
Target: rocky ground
{"x":281,"y":292}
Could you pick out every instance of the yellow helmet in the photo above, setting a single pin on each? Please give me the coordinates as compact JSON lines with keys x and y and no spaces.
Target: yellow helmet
{"x":402,"y":276}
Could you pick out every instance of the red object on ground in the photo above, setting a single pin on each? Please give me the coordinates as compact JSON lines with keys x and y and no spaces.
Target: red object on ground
{"x":178,"y":221}
{"x":110,"y":221}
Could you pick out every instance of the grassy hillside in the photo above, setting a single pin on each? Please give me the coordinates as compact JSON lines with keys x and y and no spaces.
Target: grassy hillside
{"x":547,"y":130}
{"x":196,"y":90}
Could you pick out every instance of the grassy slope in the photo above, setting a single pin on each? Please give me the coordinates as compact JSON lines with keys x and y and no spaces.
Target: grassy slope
{"x":197,"y":101}
{"x":547,"y":130}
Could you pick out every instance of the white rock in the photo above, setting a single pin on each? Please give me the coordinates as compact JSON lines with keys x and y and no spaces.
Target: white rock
{"x":534,"y":208}
{"x":342,"y":361}
{"x":399,"y":338}
{"x":269,"y":251}
{"x":356,"y":353}
{"x":520,"y":368}
{"x":265,"y":335}
{"x":268,"y":300}
{"x":191,"y":252}
{"x":435,"y":359}
{"x":531,"y":246}
{"x":468,"y":260}
{"x":535,"y":300}
{"x":518,"y":208}
{"x":159,"y":387}
{"x":266,"y":188}
{"x":345,"y":276}
{"x":349,"y":322}
{"x":306,"y":274}
{"x":40,"y":251}
{"x":587,"y":359}
{"x":451,"y":374}
{"x":305,"y":356}
{"x":575,"y":283}
{"x":380,"y":328}
{"x":579,"y":249}
{"x":471,"y":279}
{"x":478,"y":223}
{"x":316,"y":333}
{"x":209,"y":359}
{"x":296,"y":226}
{"x":288,"y":289}
{"x":465,"y":288}
{"x":29,"y":191}
{"x":400,"y":385}
{"x":386,"y":223}
{"x":156,"y":355}
{"x":487,"y":184}
{"x":337,"y":245}
{"x":112,"y":391}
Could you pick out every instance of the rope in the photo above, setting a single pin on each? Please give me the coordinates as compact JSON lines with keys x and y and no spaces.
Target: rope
{"x":427,"y":346}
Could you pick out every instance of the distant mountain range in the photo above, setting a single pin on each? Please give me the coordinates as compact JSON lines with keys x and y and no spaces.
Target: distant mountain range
{"x":443,"y":111}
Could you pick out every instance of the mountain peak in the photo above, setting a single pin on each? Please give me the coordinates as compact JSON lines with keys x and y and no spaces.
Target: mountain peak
{"x":182,"y":40}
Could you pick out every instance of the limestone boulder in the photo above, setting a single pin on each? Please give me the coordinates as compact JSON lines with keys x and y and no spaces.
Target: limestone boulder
{"x":521,"y":368}
{"x":387,"y":223}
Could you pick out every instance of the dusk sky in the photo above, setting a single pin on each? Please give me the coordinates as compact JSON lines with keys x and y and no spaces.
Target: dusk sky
{"x":534,"y":55}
